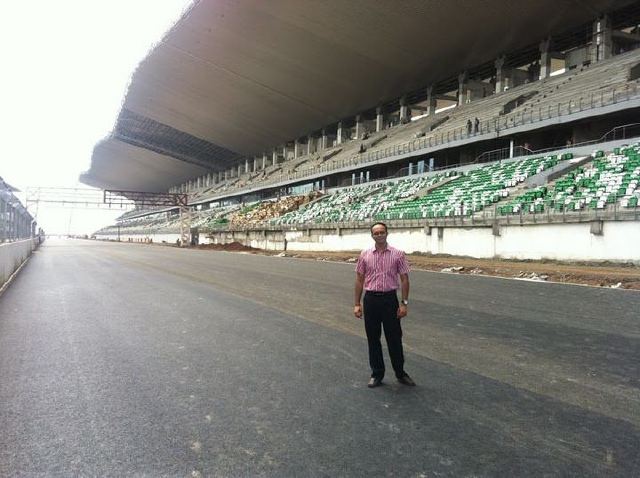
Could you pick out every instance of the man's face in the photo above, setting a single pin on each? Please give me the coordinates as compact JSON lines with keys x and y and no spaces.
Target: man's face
{"x":379,"y":234}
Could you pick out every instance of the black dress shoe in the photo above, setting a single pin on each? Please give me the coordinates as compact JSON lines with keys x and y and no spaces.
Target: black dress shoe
{"x":406,"y":380}
{"x":374,"y":382}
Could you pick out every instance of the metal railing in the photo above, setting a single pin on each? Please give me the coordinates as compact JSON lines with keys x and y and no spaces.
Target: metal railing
{"x":627,"y":131}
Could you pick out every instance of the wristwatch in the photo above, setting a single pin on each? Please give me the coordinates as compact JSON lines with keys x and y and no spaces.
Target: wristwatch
{"x":404,"y":302}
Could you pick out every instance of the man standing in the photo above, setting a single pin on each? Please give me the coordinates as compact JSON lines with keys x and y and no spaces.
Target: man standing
{"x":377,"y":274}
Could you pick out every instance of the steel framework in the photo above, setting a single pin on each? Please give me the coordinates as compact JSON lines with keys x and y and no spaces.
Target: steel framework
{"x":94,"y":198}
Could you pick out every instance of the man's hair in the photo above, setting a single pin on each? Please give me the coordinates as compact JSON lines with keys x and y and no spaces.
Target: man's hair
{"x":379,"y":224}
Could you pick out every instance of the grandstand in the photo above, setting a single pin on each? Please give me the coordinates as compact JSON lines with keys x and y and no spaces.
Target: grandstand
{"x":538,"y":133}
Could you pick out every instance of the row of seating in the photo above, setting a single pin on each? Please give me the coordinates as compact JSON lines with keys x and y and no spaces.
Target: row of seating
{"x":607,"y":180}
{"x":359,"y":203}
{"x":473,"y":191}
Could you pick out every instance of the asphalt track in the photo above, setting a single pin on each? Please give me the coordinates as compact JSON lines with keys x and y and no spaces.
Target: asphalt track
{"x":137,"y":360}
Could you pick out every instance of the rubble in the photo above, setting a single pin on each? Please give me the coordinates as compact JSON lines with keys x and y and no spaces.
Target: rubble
{"x":259,"y":213}
{"x":532,"y":276}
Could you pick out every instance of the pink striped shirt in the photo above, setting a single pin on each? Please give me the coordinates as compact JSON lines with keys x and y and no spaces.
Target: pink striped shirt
{"x":381,"y":268}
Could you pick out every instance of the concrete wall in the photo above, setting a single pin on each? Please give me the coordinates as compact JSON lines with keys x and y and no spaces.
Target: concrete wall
{"x":12,"y":255}
{"x":617,"y":240}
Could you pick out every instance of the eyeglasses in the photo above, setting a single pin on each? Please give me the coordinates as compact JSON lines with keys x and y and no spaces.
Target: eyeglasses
{"x":379,"y":233}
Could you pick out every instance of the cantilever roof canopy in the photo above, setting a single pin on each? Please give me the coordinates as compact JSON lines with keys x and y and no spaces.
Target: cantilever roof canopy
{"x":233,"y":79}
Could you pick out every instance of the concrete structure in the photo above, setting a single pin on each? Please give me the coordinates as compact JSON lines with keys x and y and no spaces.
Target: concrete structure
{"x":13,"y":255}
{"x":610,"y":241}
{"x":177,"y":124}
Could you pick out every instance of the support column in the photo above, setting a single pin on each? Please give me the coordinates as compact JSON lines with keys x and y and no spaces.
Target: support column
{"x":339,"y":133}
{"x":602,"y":46}
{"x":404,"y":111}
{"x":431,"y":101}
{"x":323,"y":139}
{"x":310,"y":144}
{"x":296,"y":149}
{"x":264,"y":160}
{"x":240,"y":168}
{"x":284,"y":152}
{"x":359,"y":131}
{"x":255,"y":164}
{"x":462,"y":87}
{"x":246,"y":165}
{"x":379,"y":119}
{"x":274,"y":157}
{"x":545,"y":59}
{"x":499,"y":63}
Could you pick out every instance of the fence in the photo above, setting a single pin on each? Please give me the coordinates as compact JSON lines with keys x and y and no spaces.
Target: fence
{"x":15,"y":221}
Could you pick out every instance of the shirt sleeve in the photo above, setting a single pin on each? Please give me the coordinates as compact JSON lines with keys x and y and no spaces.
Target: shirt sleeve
{"x":361,"y":266}
{"x":403,"y":264}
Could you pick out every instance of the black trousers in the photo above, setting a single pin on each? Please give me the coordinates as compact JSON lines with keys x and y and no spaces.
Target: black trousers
{"x":382,"y":311}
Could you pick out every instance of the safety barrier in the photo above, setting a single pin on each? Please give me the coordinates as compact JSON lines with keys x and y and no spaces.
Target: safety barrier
{"x":13,"y":255}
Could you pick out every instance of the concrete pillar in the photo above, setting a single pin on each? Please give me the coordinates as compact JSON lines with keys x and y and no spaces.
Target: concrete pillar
{"x":499,"y":63}
{"x":339,"y":133}
{"x":431,"y":101}
{"x":310,"y":144}
{"x":274,"y":157}
{"x":602,"y":46}
{"x":545,"y":59}
{"x":255,"y":163}
{"x":462,"y":87}
{"x":359,"y":129}
{"x":404,"y":110}
{"x":379,"y":119}
{"x":324,"y":139}
{"x":264,"y":160}
{"x":246,"y":165}
{"x":284,"y":152}
{"x":296,"y":149}
{"x":240,"y":168}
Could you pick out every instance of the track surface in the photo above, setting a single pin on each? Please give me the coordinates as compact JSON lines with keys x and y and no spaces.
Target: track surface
{"x":126,"y":359}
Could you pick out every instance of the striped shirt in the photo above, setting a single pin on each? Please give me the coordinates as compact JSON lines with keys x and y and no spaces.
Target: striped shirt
{"x":381,"y":268}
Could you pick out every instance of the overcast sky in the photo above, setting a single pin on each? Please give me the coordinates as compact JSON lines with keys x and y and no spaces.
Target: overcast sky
{"x":65,"y":68}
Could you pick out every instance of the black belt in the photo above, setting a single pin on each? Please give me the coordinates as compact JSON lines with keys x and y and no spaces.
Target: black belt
{"x":379,"y":293}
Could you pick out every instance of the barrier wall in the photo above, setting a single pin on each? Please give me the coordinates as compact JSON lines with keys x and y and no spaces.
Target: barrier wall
{"x":12,"y":255}
{"x":584,"y":241}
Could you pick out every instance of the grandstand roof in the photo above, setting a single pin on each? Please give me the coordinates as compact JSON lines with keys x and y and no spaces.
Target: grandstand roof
{"x":234,"y":79}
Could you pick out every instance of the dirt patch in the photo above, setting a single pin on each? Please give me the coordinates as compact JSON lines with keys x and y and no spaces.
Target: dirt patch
{"x":605,"y":274}
{"x":623,"y":276}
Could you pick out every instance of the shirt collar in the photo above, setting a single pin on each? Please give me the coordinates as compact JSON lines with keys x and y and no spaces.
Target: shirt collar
{"x":386,"y":248}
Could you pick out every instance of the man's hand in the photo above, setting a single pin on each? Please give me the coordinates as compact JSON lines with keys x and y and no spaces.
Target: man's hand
{"x":402,"y":311}
{"x":357,"y":311}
